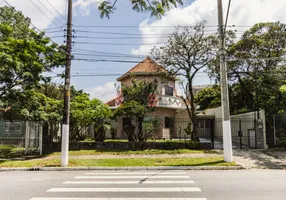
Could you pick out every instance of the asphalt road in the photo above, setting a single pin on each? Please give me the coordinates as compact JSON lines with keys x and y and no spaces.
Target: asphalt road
{"x":142,"y":185}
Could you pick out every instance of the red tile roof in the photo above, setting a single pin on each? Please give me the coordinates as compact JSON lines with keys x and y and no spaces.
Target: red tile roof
{"x":145,"y":66}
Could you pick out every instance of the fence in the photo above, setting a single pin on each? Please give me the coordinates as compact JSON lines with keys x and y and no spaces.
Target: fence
{"x":20,"y":138}
{"x":243,"y":131}
{"x":279,"y":126}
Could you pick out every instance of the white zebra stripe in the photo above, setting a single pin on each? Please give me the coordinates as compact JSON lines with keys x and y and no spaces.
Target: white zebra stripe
{"x":64,"y":198}
{"x":178,"y":189}
{"x":132,"y":177}
{"x":136,"y":173}
{"x":127,"y":182}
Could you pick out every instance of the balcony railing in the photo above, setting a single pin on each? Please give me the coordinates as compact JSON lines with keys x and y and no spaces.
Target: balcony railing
{"x":169,"y":102}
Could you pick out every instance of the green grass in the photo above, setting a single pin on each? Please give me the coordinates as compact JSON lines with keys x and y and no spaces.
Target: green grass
{"x":138,"y":152}
{"x":121,"y":162}
{"x":10,"y":151}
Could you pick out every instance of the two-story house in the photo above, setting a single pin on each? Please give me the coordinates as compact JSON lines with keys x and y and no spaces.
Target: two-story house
{"x":170,"y":109}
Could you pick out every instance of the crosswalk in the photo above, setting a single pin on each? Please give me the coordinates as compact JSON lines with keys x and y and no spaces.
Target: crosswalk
{"x":130,"y":185}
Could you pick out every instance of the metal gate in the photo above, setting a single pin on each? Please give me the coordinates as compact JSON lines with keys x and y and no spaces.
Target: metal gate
{"x":17,"y":138}
{"x":243,"y":132}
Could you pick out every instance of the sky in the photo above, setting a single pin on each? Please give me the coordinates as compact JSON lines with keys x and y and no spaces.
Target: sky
{"x":131,"y":33}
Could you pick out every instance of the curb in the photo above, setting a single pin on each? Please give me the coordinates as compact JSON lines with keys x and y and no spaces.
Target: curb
{"x":122,"y":168}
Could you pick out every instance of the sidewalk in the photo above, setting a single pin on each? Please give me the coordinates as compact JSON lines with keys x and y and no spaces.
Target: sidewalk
{"x":260,"y":159}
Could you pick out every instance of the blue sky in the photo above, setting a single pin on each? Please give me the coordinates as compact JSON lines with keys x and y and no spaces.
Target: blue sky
{"x":85,"y":14}
{"x":103,"y":86}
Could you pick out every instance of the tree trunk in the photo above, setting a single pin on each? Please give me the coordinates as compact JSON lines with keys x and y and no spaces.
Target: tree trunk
{"x":99,"y":134}
{"x":129,"y":129}
{"x":140,"y":129}
{"x":193,"y":116}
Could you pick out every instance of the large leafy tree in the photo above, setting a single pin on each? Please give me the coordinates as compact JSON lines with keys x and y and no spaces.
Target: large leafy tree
{"x":257,"y":67}
{"x":85,"y":112}
{"x":157,"y":8}
{"x":24,"y":54}
{"x":187,"y":52}
{"x":209,"y":97}
{"x":136,"y":105}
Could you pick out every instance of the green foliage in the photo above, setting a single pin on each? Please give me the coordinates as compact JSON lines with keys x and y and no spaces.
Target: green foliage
{"x":135,"y":107}
{"x":208,"y":98}
{"x":85,"y":112}
{"x":189,"y":129}
{"x":150,"y":127}
{"x":193,"y":145}
{"x":113,"y":131}
{"x":157,"y":8}
{"x":187,"y":52}
{"x":258,"y":80}
{"x":24,"y":56}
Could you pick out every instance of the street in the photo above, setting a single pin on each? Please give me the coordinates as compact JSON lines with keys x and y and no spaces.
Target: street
{"x":142,"y":185}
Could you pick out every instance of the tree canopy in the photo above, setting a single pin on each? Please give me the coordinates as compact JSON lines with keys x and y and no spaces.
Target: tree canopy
{"x":135,"y":106}
{"x":24,"y":54}
{"x":157,"y":8}
{"x":187,"y":52}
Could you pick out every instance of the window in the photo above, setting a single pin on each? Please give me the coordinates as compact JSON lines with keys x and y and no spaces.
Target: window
{"x":169,"y":90}
{"x":203,"y":123}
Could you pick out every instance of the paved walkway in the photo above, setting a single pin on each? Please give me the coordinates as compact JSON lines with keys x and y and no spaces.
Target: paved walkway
{"x":260,"y":159}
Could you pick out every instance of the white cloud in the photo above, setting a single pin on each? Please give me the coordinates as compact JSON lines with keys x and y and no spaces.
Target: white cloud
{"x":38,"y":18}
{"x":104,"y":92}
{"x":85,"y":5}
{"x":242,"y":12}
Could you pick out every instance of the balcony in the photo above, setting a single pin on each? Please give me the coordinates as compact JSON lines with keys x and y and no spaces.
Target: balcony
{"x":169,"y":102}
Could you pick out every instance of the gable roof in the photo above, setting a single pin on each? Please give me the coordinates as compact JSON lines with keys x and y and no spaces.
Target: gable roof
{"x":146,"y":66}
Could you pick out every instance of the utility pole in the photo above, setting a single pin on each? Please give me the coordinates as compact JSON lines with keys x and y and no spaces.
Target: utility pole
{"x":66,"y":116}
{"x":227,"y":143}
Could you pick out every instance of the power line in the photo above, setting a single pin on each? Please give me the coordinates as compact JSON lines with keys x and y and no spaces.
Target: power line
{"x":104,"y":52}
{"x":122,"y":33}
{"x":115,"y":33}
{"x":104,"y":60}
{"x":50,"y":11}
{"x":30,"y":21}
{"x":134,"y":26}
{"x":123,"y":38}
{"x":56,"y":31}
{"x":253,"y":59}
{"x":56,"y":10}
{"x":44,"y":13}
{"x":111,"y":56}
{"x":120,"y":44}
{"x":47,"y":29}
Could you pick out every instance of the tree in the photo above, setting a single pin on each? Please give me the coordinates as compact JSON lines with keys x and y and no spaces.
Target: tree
{"x":209,"y":97}
{"x":257,"y":67}
{"x":156,"y":7}
{"x":135,"y":106}
{"x":24,"y":54}
{"x":85,"y":112}
{"x":187,"y":52}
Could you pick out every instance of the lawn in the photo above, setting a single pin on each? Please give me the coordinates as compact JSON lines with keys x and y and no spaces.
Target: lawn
{"x":9,"y":151}
{"x":138,"y":152}
{"x":120,"y":162}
